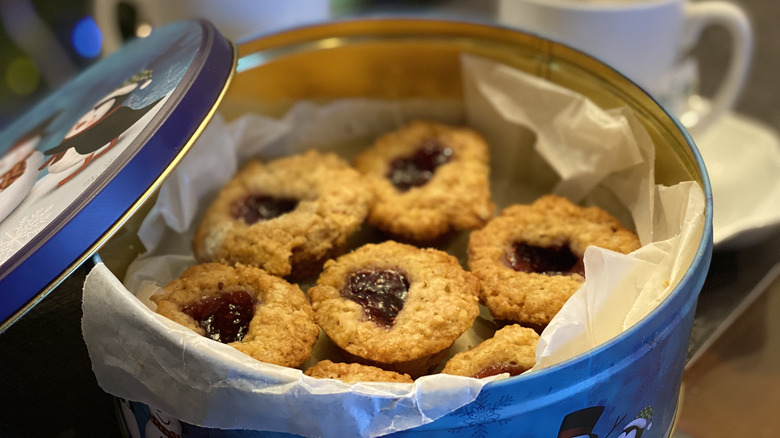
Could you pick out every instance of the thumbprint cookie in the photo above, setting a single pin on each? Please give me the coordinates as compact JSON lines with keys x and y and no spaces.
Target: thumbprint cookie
{"x":355,"y":372}
{"x":286,"y":216}
{"x":512,"y":349}
{"x":529,"y":258}
{"x":429,"y":179}
{"x":395,"y":306}
{"x":257,"y":313}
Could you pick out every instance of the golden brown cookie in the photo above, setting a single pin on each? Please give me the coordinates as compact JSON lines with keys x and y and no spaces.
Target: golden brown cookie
{"x":395,"y":306}
{"x":355,"y":372}
{"x":429,"y":178}
{"x":512,"y":349}
{"x":286,"y":216}
{"x":255,"y":312}
{"x":530,"y":257}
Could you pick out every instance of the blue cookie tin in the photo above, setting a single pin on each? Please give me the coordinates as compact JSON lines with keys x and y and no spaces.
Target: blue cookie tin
{"x":627,"y":387}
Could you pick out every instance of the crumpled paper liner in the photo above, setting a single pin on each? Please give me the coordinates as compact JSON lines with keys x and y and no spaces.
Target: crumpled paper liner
{"x":544,"y":139}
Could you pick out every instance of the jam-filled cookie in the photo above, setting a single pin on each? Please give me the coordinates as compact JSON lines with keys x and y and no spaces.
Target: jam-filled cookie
{"x":529,"y":258}
{"x":429,"y":179}
{"x":286,"y":216}
{"x":512,"y":349}
{"x":395,"y":306}
{"x":355,"y":372}
{"x":255,"y":312}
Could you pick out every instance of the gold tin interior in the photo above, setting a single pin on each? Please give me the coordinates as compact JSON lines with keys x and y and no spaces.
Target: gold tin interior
{"x":397,"y":58}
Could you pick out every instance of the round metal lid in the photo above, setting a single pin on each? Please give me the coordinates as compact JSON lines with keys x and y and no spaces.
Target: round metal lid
{"x":78,"y":165}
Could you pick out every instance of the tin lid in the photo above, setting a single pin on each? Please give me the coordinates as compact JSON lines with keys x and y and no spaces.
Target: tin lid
{"x":81,"y":162}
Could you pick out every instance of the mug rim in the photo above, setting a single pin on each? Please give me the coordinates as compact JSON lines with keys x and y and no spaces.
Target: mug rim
{"x":596,"y":5}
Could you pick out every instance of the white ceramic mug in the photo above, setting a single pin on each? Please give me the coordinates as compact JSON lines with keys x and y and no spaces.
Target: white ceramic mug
{"x":235,"y":19}
{"x":647,"y":40}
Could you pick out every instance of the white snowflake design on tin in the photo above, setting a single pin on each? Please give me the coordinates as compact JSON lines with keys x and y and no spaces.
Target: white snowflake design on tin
{"x":480,"y":413}
{"x":28,"y":227}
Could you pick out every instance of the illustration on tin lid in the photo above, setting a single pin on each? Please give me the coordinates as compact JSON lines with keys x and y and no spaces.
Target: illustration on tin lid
{"x":80,"y":132}
{"x":97,"y":131}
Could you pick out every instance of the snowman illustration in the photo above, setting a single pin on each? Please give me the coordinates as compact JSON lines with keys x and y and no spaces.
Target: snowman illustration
{"x":580,"y":424}
{"x":96,"y":132}
{"x":161,"y":425}
{"x":130,"y":422}
{"x":19,"y":167}
{"x":637,"y":427}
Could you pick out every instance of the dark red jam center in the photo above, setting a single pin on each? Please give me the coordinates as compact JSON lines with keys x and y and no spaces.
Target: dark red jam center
{"x":255,"y":208}
{"x":553,"y":260}
{"x":381,"y":293}
{"x":418,"y":169}
{"x":495,"y":369}
{"x":224,"y":317}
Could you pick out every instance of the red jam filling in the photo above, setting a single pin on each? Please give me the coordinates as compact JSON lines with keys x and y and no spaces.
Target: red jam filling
{"x":255,"y":208}
{"x":224,"y":317}
{"x":553,"y":260}
{"x":513,"y":368}
{"x":416,"y":170}
{"x":382,"y":294}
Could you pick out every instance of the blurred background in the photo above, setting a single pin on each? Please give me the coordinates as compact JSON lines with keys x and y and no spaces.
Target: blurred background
{"x":42,"y":45}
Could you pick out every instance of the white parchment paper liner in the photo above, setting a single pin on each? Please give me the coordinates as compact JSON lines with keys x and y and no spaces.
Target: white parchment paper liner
{"x":601,"y":156}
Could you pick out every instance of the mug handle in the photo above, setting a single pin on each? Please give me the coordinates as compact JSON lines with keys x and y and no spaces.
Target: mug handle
{"x":698,"y":15}
{"x":106,"y":17}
